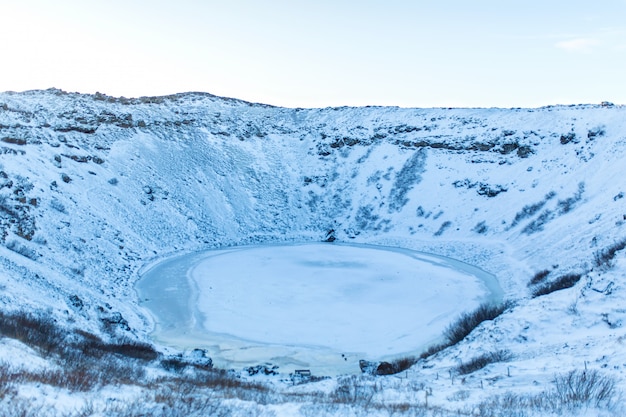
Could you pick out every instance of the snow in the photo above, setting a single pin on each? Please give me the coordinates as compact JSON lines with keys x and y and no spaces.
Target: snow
{"x":326,"y":304}
{"x":510,"y":191}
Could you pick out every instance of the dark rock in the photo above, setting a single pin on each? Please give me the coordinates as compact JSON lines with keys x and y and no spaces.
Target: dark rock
{"x":267,"y":369}
{"x":116,"y":319}
{"x":385,"y":368}
{"x":199,"y":359}
{"x":368,"y":367}
{"x":76,"y":302}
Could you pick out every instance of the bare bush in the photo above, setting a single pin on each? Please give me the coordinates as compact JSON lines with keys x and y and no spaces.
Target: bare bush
{"x":167,"y":402}
{"x":409,"y":176}
{"x":467,"y":322}
{"x":538,"y":224}
{"x":573,"y":390}
{"x":539,"y":277}
{"x":101,"y":363}
{"x":481,"y":361}
{"x":57,"y":205}
{"x":84,"y":360}
{"x":7,"y":387}
{"x":22,"y":407}
{"x":402,"y":364}
{"x":578,"y":388}
{"x":38,"y":332}
{"x":174,"y":364}
{"x":434,"y":349}
{"x":513,"y":405}
{"x":567,"y":205}
{"x":22,"y":249}
{"x":481,"y":228}
{"x":353,"y":390}
{"x":444,"y":226}
{"x":222,"y":381}
{"x":561,"y":283}
{"x":464,"y":325}
{"x":76,"y":379}
{"x":604,"y":259}
{"x":531,"y":209}
{"x":94,"y":346}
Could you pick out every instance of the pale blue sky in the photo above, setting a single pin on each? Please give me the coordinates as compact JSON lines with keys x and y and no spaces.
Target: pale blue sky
{"x":479,"y":53}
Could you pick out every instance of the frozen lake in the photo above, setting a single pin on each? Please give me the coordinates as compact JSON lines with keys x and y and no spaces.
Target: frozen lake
{"x":316,"y":306}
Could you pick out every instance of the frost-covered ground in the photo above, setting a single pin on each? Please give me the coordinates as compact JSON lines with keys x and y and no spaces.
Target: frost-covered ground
{"x":94,"y":189}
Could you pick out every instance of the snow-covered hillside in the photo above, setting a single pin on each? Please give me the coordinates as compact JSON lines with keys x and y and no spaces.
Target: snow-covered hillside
{"x":94,"y":188}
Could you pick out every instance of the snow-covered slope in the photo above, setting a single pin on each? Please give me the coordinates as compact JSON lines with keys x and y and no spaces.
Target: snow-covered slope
{"x":93,"y":188}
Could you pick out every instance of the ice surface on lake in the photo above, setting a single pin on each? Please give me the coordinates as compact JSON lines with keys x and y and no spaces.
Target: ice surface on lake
{"x":290,"y":303}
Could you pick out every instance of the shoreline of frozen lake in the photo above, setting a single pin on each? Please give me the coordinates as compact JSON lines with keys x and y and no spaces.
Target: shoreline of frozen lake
{"x":317,"y":306}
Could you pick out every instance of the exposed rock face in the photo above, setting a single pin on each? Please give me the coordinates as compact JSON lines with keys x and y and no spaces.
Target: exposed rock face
{"x":92,"y":188}
{"x":368,"y":367}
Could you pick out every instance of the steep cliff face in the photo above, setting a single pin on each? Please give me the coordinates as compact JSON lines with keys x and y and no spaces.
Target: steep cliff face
{"x":92,"y":188}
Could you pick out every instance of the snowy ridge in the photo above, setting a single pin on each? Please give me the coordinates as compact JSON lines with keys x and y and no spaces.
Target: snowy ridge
{"x":92,"y":188}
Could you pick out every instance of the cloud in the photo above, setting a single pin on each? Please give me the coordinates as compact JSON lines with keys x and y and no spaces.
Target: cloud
{"x":585,"y":45}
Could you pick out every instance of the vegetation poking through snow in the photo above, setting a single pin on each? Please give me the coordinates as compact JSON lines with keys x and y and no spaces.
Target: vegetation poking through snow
{"x":74,"y":220}
{"x":481,"y":228}
{"x":467,"y":322}
{"x":434,"y":349}
{"x":454,"y":333}
{"x":603,"y":259}
{"x":36,"y":331}
{"x":560,"y":283}
{"x":82,"y":362}
{"x":588,"y":387}
{"x":531,"y":209}
{"x":408,"y":177}
{"x":481,"y":361}
{"x":568,"y":204}
{"x":444,"y":226}
{"x":22,"y":249}
{"x":574,"y":393}
{"x":539,"y":277}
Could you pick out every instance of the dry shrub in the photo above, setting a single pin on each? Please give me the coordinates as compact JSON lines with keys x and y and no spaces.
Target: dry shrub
{"x":561,"y":283}
{"x":467,"y":322}
{"x":604,"y":259}
{"x":481,"y":361}
{"x":579,"y":388}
